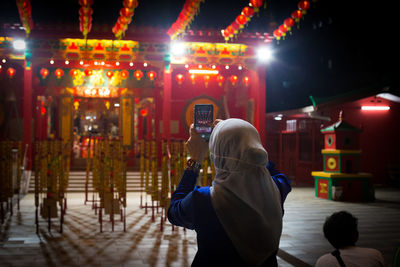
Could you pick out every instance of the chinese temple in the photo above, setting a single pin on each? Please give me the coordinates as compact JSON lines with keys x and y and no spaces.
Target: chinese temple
{"x":73,"y":88}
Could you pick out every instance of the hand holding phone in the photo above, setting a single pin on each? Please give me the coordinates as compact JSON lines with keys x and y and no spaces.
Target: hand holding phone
{"x":203,"y":120}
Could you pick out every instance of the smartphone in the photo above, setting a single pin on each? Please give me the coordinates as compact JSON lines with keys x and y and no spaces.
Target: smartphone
{"x":203,"y":119}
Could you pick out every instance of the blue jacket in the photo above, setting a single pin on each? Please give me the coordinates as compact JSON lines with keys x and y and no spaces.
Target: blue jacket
{"x":191,"y":208}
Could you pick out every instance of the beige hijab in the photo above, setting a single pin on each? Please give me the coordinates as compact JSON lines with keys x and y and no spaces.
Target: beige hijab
{"x":244,"y":196}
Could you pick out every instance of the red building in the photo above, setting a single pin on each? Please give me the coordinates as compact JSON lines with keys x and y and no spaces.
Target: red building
{"x":63,"y":86}
{"x":294,"y":139}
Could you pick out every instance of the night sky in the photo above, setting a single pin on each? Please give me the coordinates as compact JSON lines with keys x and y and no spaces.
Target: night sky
{"x":338,"y":46}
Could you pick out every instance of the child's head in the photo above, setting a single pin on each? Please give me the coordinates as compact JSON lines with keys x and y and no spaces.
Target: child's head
{"x":341,"y":229}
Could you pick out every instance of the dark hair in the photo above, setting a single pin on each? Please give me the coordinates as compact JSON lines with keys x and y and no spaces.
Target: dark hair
{"x":341,"y":229}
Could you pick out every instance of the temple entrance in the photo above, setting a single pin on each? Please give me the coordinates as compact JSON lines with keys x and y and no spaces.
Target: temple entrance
{"x":92,"y":117}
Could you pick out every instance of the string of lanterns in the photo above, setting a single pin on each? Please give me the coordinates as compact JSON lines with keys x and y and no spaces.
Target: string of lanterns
{"x":125,"y":18}
{"x":220,"y":79}
{"x":242,"y":19}
{"x":25,"y":14}
{"x":189,"y":11}
{"x":123,"y":74}
{"x":85,"y":17}
{"x":295,"y":17}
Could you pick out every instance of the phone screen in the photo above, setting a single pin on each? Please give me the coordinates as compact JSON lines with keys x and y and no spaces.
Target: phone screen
{"x":203,"y":119}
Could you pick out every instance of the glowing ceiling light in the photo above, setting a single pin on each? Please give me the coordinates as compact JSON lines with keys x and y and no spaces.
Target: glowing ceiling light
{"x":203,"y":71}
{"x":375,"y":107}
{"x":213,"y":66}
{"x":131,"y":64}
{"x":240,"y":67}
{"x":227,"y":67}
{"x":145,"y":64}
{"x":178,"y":48}
{"x":4,"y":60}
{"x":264,"y":54}
{"x":186,"y":66}
{"x":66,"y":62}
{"x":19,"y":45}
{"x":81,"y":62}
{"x":51,"y":61}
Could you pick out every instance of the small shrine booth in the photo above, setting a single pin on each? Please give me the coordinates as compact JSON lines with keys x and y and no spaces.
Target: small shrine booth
{"x":341,"y":178}
{"x":74,"y":89}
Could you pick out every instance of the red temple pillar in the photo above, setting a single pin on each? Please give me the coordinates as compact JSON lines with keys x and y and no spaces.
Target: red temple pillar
{"x":27,"y":113}
{"x":258,"y":93}
{"x":166,"y":116}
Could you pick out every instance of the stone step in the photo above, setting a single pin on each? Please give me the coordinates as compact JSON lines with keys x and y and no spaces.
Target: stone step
{"x":77,"y":179}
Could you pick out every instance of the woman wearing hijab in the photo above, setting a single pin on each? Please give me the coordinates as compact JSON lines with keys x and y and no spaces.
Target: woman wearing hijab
{"x":238,"y":220}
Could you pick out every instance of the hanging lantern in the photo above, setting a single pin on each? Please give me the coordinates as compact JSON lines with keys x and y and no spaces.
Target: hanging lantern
{"x":152,"y":75}
{"x":11,"y":72}
{"x":256,"y":4}
{"x":304,"y":5}
{"x":138,"y":74}
{"x":233,"y":79}
{"x":297,"y":15}
{"x":42,"y":110}
{"x":241,"y":20}
{"x":277,"y":34}
{"x":220,"y":80}
{"x":144,"y":112}
{"x":193,"y":78}
{"x":246,"y":80}
{"x":76,"y":104}
{"x":124,"y":74}
{"x":88,"y":72}
{"x":109,"y":74}
{"x":73,"y":72}
{"x":248,"y":12}
{"x":206,"y":80}
{"x":179,"y":78}
{"x":59,"y":73}
{"x":44,"y":73}
{"x":289,"y":22}
{"x":283,"y":29}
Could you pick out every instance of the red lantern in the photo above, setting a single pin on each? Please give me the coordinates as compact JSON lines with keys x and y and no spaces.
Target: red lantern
{"x":229,"y":30}
{"x":144,"y":112}
{"x":88,"y":72}
{"x":235,"y":26}
{"x":233,"y":79}
{"x":11,"y":72}
{"x":59,"y":73}
{"x":220,"y":80}
{"x":179,"y":78}
{"x":126,"y":12}
{"x":130,"y":3}
{"x":73,"y":72}
{"x":256,"y":4}
{"x":44,"y":73}
{"x":193,"y":78}
{"x":246,"y":80}
{"x":248,"y":12}
{"x":138,"y":74}
{"x":109,"y":74}
{"x":304,"y":5}
{"x":206,"y":79}
{"x":277,"y":34}
{"x":289,"y":22}
{"x":151,"y":75}
{"x":297,"y":15}
{"x":124,"y":74}
{"x":242,"y":20}
{"x":283,"y":29}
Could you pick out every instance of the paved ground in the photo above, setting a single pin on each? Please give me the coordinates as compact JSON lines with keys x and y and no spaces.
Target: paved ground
{"x":144,"y":244}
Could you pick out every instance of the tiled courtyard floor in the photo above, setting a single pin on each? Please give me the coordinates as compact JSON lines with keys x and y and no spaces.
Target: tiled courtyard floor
{"x":143,"y":244}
